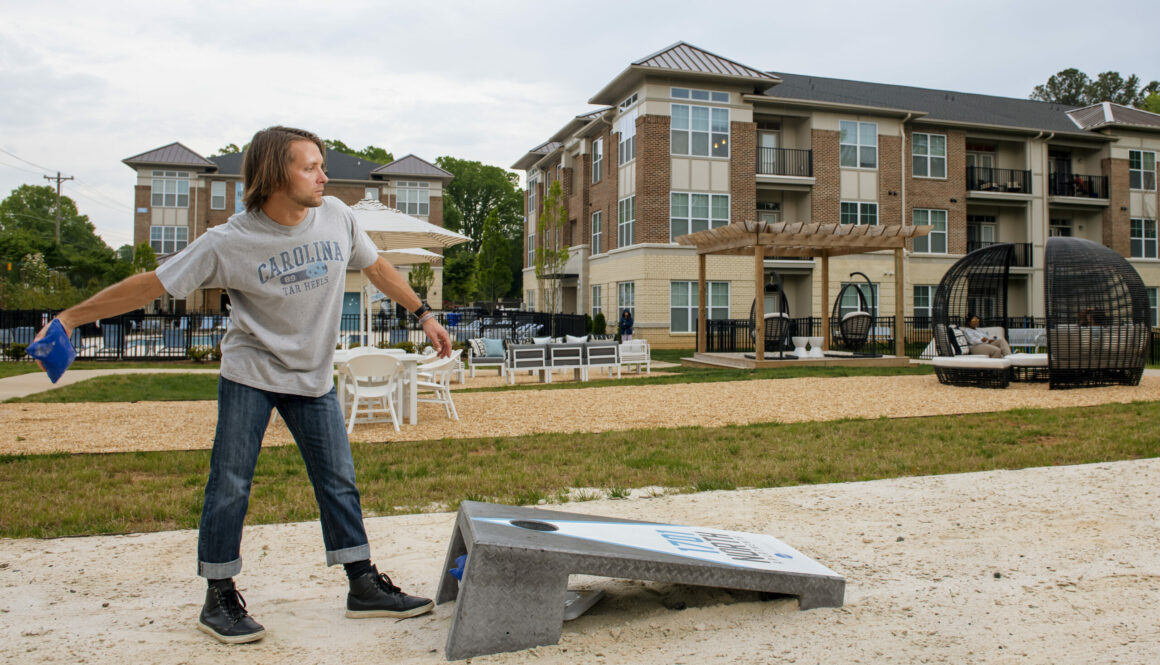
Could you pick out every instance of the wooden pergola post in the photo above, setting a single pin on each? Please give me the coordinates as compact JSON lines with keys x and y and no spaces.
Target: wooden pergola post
{"x":825,"y":302}
{"x":899,"y":301}
{"x":702,"y":331}
{"x":758,"y":302}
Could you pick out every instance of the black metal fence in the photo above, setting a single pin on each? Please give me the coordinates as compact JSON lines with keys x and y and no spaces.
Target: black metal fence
{"x":1081,"y":186}
{"x":735,"y":335}
{"x":785,"y":161}
{"x":141,"y":336}
{"x":988,"y":179}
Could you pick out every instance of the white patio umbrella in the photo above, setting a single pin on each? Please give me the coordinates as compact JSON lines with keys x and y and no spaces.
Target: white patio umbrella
{"x":390,"y":230}
{"x":411,"y":256}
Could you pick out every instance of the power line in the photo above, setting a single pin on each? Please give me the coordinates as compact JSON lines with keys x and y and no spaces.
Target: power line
{"x":93,"y":191}
{"x":19,"y":168}
{"x":25,"y":160}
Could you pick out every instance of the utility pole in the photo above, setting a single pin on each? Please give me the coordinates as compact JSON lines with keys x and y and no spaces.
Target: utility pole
{"x":58,"y":180}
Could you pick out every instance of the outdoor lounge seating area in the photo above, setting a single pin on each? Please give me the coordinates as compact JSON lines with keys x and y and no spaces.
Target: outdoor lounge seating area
{"x":1097,"y":311}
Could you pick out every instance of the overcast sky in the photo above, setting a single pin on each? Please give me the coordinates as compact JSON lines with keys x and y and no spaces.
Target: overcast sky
{"x":84,"y":85}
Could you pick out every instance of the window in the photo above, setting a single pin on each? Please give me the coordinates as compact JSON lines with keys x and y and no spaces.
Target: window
{"x":929,"y":155}
{"x":170,"y":189}
{"x":597,"y":231}
{"x":168,"y":239}
{"x":371,"y":193}
{"x":626,"y":221}
{"x":923,"y":297}
{"x":858,"y":144}
{"x":936,"y":242}
{"x":413,"y":198}
{"x":627,"y":104}
{"x":1143,"y":239}
{"x":239,"y":197}
{"x":684,"y":299}
{"x":699,"y":130}
{"x":689,"y":213}
{"x":851,"y":302}
{"x":217,"y":195}
{"x":597,"y":301}
{"x":597,"y":160}
{"x":1059,"y":228}
{"x":625,"y":298}
{"x":1153,"y":302}
{"x":626,"y":148}
{"x":531,"y":250}
{"x":1142,"y":170}
{"x":859,"y":213}
{"x":530,"y":301}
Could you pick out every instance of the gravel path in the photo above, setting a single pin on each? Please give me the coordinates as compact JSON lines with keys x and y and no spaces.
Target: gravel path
{"x":117,"y":427}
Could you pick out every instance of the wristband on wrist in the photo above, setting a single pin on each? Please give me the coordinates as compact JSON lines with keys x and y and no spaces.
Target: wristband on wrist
{"x":426,"y":317}
{"x":423,"y":309}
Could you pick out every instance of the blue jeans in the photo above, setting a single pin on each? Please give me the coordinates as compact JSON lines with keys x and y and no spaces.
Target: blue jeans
{"x":318,"y":428}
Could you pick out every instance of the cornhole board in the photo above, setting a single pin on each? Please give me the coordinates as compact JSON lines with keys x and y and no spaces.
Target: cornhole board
{"x":519,"y":560}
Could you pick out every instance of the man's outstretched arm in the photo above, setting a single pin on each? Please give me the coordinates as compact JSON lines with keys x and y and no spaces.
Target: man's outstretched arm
{"x":124,"y":296}
{"x":388,"y":280}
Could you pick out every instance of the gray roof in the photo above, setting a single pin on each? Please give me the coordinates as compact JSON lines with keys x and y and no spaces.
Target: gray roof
{"x":173,"y":154}
{"x":339,"y":166}
{"x":1107,"y":113}
{"x":963,"y":107}
{"x":415,"y":166}
{"x":684,"y":57}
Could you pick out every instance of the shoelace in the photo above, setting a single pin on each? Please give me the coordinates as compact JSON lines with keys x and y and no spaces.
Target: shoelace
{"x":385,"y":583}
{"x":234,"y":604}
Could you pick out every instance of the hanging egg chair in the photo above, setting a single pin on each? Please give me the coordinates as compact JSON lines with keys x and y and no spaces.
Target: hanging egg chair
{"x":778,"y":325}
{"x":852,"y":330}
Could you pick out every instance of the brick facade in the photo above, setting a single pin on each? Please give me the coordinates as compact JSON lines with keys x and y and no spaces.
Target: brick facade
{"x":602,"y":195}
{"x":1117,"y":216}
{"x":827,"y":194}
{"x":889,"y":181}
{"x":742,"y":171}
{"x":653,"y":178}
{"x":937,"y":194}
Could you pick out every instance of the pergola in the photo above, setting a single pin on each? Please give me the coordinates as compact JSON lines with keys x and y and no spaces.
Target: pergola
{"x":762,"y":239}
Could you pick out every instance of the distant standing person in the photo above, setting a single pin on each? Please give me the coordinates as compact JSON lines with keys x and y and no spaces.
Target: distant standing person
{"x":626,"y":326}
{"x":283,"y":263}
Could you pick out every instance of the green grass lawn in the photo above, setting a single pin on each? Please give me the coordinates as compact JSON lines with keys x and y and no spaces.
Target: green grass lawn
{"x":68,"y":495}
{"x":8,"y":369}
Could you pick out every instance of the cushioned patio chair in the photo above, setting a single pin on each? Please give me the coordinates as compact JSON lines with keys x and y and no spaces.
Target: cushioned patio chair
{"x":975,"y":284}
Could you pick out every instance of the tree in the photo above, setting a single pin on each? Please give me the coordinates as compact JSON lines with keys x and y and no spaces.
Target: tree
{"x":231,"y":149}
{"x":1075,"y":88}
{"x":28,"y":226}
{"x":492,"y":274}
{"x":458,"y":277}
{"x":552,"y":253}
{"x":1152,"y":103}
{"x":39,"y":287}
{"x":477,"y":190}
{"x":144,"y":259}
{"x":370,"y":153}
{"x":421,"y":277}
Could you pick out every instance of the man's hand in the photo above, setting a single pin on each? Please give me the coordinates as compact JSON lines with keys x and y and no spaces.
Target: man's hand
{"x":44,"y":331}
{"x":438,"y":336}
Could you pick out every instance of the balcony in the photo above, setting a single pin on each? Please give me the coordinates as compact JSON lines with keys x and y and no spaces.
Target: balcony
{"x":1078,"y":186}
{"x":785,"y":162}
{"x":1022,"y":251}
{"x":1006,"y":181}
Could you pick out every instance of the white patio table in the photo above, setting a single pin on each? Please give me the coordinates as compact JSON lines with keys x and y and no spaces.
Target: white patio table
{"x":408,"y":403}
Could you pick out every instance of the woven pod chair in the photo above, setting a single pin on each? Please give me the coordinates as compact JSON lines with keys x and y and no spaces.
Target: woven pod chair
{"x":976,"y":283}
{"x":1097,"y":315}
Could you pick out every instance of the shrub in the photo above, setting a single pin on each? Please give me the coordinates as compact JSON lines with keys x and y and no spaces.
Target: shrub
{"x":599,"y":325}
{"x":198,"y":354}
{"x":15,"y":351}
{"x":407,"y":346}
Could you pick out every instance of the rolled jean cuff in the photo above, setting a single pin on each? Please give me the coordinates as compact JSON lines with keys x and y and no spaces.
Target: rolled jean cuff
{"x":348,"y":555}
{"x":219,"y":571}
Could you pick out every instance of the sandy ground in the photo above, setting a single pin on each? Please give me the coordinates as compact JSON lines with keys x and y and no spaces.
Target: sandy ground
{"x":1050,"y":565}
{"x":112,"y":427}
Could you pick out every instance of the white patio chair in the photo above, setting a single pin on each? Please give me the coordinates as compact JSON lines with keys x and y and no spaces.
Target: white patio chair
{"x":368,"y":384}
{"x":635,"y":354}
{"x":434,"y":377}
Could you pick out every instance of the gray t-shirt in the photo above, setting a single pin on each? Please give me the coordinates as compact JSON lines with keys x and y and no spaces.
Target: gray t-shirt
{"x":285,"y":285}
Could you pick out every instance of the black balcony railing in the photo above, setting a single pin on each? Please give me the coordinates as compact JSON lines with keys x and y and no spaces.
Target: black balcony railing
{"x":1079,"y":186}
{"x":785,"y":161}
{"x":988,"y":179}
{"x":1022,"y":251}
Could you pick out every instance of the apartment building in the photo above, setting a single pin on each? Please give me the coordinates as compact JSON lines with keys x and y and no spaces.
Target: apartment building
{"x":179,"y":195}
{"x":685,"y":140}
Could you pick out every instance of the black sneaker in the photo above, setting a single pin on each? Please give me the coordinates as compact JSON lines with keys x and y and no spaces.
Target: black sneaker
{"x":224,"y":616}
{"x":373,"y":595}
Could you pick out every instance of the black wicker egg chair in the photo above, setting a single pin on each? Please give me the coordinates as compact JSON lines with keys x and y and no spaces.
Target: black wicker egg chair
{"x":778,"y":325}
{"x":975,"y":284}
{"x":1097,"y":315}
{"x":852,"y":330}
